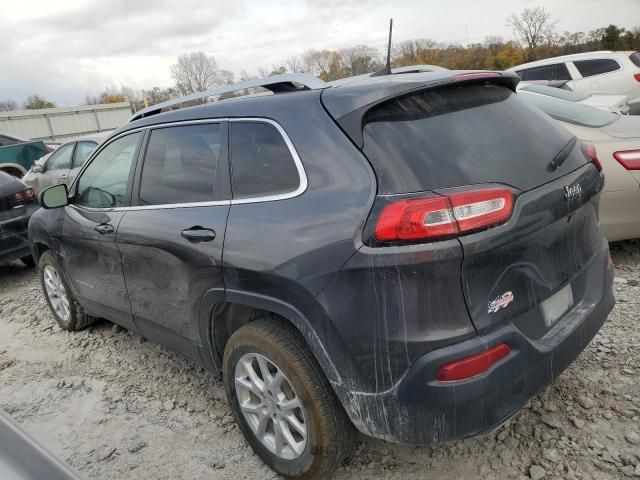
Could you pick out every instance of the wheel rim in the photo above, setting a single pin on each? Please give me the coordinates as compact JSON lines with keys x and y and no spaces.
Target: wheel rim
{"x":56,"y":293}
{"x":271,"y":406}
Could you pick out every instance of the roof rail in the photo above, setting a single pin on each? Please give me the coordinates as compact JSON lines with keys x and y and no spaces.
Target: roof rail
{"x":288,"y":82}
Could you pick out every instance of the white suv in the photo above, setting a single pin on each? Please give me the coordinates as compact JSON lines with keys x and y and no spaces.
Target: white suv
{"x":606,"y":72}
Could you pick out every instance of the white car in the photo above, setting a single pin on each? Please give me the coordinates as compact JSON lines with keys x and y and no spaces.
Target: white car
{"x":610,"y":103}
{"x":605,"y":72}
{"x":616,"y":142}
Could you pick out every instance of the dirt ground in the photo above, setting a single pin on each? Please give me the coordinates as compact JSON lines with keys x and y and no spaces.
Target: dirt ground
{"x":114,"y":406}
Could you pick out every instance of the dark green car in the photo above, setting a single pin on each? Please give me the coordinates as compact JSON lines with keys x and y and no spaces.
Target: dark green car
{"x":17,"y":155}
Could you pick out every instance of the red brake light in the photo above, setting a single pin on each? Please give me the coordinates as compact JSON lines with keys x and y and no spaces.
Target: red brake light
{"x":416,"y":218}
{"x":481,"y":208}
{"x":629,"y":159}
{"x":637,"y":76}
{"x":589,"y":149}
{"x":470,"y":76}
{"x":47,"y":149}
{"x":26,"y":194}
{"x":440,"y":216}
{"x":474,"y":365}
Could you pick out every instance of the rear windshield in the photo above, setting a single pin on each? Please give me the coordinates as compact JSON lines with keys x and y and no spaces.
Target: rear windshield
{"x":461,"y":135}
{"x":555,"y":92}
{"x":635,"y":58}
{"x":570,"y":112}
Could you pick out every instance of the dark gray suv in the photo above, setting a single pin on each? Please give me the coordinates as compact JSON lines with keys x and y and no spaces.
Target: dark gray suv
{"x":414,"y":255}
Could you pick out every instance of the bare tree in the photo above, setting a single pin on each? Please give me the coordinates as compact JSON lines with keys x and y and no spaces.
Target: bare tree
{"x":360,"y":59}
{"x":195,"y":72}
{"x":8,"y":105}
{"x":530,"y":29}
{"x":294,"y":64}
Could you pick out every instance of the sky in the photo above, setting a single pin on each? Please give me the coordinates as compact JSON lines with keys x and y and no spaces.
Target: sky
{"x":64,"y":49}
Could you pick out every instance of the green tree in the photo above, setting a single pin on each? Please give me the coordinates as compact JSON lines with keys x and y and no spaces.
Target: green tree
{"x":35,"y":101}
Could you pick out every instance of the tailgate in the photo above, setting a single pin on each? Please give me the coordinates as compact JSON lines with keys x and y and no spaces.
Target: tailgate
{"x":516,"y":268}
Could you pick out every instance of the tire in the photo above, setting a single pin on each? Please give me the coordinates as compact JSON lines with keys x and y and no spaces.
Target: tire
{"x":76,"y":319}
{"x":28,"y":261}
{"x":330,"y":433}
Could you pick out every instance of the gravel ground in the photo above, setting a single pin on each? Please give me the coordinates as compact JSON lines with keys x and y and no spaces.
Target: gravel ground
{"x":115,"y":406}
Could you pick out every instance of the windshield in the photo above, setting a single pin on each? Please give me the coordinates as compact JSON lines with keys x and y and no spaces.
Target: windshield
{"x":555,"y":92}
{"x":570,"y":112}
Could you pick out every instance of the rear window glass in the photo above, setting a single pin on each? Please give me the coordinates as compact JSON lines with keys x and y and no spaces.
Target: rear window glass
{"x":571,"y":112}
{"x":588,"y":68}
{"x":555,"y":92}
{"x":460,"y":135}
{"x":261,"y":162}
{"x":635,"y":58}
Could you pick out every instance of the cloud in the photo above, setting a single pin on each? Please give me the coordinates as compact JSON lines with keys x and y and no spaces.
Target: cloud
{"x":68,"y":48}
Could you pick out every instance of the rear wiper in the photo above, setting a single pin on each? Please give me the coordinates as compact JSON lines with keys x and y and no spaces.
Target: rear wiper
{"x":563,"y":154}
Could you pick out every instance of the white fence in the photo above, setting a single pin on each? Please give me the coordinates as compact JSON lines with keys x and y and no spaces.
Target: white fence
{"x":67,"y":123}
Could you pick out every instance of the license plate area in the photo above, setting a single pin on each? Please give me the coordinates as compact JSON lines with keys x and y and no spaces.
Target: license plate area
{"x":556,"y":305}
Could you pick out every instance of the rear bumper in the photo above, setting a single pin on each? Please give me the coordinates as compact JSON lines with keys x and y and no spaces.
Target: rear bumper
{"x":420,"y":410}
{"x":14,"y":241}
{"x":619,"y":215}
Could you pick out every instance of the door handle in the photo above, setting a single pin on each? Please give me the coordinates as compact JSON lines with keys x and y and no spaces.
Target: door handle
{"x":104,"y":228}
{"x":198,"y":234}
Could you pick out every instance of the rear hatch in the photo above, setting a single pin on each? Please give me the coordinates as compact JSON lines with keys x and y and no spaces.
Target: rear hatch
{"x":467,"y":140}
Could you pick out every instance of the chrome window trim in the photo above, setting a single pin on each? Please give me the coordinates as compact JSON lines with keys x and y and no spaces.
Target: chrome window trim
{"x":302,"y":175}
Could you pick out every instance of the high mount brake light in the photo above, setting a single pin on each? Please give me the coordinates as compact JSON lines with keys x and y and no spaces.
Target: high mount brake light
{"x":443,"y":216}
{"x":629,"y":159}
{"x":471,"y":76}
{"x":589,"y":149}
{"x":472,"y":366}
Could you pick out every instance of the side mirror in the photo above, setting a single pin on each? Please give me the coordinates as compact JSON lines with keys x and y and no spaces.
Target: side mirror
{"x":54,"y":197}
{"x":37,"y":168}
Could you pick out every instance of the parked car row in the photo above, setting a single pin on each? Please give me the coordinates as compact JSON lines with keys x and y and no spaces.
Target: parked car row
{"x":411,"y":255}
{"x":604,"y":72}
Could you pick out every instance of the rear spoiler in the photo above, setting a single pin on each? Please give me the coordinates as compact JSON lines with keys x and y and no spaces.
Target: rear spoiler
{"x":351,"y":122}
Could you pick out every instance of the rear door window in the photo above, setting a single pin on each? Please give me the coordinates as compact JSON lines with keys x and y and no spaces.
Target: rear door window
{"x":181,"y":165}
{"x":261,"y":162}
{"x":461,"y":135}
{"x":557,"y":71}
{"x":82,"y":153}
{"x":589,"y":68}
{"x":61,"y":158}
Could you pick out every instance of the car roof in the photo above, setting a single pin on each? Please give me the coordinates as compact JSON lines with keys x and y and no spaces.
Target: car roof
{"x":569,"y":58}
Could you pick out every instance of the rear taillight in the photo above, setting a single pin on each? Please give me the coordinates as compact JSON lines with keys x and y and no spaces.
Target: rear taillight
{"x":589,"y":149}
{"x":474,"y":365}
{"x":629,"y":159}
{"x":47,"y":149}
{"x":18,"y":199}
{"x":442,"y":216}
{"x":637,"y":76}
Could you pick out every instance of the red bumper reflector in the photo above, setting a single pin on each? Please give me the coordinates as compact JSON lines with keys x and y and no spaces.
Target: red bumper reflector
{"x":474,"y":365}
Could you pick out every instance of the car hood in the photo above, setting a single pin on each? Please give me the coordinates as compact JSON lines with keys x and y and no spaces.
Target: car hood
{"x":624,"y":127}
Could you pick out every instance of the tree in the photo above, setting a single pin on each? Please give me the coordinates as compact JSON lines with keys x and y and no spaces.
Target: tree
{"x":195,"y":72}
{"x":325,"y":64}
{"x":8,"y":105}
{"x":294,"y":64}
{"x":360,"y":59}
{"x":530,"y":29}
{"x":35,"y":101}
{"x":612,"y":38}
